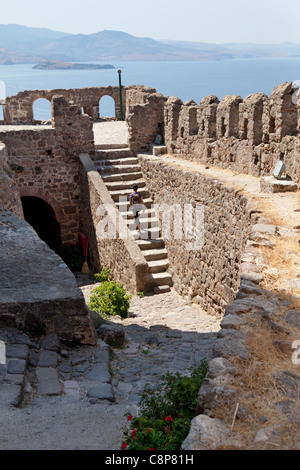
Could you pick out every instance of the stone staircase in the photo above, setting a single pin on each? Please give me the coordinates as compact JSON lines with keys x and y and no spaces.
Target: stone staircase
{"x":119,"y":171}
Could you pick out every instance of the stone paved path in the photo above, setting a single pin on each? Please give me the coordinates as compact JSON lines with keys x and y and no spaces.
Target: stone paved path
{"x":167,"y":334}
{"x":164,"y":333}
{"x":77,"y":398}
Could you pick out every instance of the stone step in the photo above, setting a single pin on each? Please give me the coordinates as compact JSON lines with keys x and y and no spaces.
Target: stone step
{"x":117,"y":169}
{"x":107,"y":147}
{"x":161,"y":289}
{"x":117,"y":162}
{"x":148,"y":213}
{"x":130,"y":176}
{"x":155,"y":254}
{"x":111,"y":154}
{"x":144,"y":223}
{"x":123,"y":206}
{"x":160,"y":279}
{"x":158,"y":266}
{"x":117,"y":194}
{"x":151,"y":244}
{"x":125,"y":185}
{"x":146,"y":233}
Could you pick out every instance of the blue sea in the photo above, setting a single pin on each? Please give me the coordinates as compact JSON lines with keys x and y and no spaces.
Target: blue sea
{"x":183,"y":79}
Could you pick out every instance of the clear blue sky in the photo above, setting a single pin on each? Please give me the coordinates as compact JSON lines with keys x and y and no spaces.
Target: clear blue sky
{"x":218,"y":21}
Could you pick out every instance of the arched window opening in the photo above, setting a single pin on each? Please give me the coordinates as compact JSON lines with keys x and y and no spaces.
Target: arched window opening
{"x":41,"y":217}
{"x":107,"y":108}
{"x":42,"y":110}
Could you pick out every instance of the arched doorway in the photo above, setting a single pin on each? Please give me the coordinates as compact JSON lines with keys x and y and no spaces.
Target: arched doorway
{"x":41,"y":217}
{"x":41,"y":109}
{"x":107,"y":108}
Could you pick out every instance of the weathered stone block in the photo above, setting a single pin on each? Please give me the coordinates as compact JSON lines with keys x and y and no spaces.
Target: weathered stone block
{"x":269,"y":184}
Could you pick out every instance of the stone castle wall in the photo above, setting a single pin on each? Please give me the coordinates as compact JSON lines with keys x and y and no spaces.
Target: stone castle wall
{"x":38,"y":292}
{"x":145,"y":117}
{"x":45,"y":163}
{"x":209,"y":274}
{"x":18,"y":109}
{"x":9,"y":194}
{"x":247,"y":136}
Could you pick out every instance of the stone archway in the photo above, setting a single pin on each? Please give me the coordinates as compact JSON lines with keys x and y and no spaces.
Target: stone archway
{"x":52,"y":210}
{"x":48,"y":198}
{"x":40,"y":215}
{"x":41,"y":109}
{"x":107,"y":107}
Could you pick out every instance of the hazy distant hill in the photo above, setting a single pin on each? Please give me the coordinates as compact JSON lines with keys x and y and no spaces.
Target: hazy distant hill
{"x":20,"y":44}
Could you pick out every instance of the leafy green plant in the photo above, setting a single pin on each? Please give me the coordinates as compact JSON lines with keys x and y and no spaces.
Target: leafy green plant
{"x":72,"y":255}
{"x":165,"y":415}
{"x":103,"y":276}
{"x":110,"y":298}
{"x":141,"y":293}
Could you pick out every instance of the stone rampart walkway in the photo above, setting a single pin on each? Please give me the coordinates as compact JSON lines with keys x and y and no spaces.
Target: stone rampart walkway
{"x":77,"y":398}
{"x":164,"y":334}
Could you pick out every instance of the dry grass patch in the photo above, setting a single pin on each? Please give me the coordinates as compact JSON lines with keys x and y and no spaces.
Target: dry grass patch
{"x":258,"y":391}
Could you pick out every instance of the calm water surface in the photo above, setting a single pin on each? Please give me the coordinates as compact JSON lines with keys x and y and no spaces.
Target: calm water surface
{"x":185,"y":80}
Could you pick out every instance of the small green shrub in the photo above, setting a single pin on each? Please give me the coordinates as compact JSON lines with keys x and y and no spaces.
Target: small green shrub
{"x":165,"y":415}
{"x":103,"y":276}
{"x":110,"y":298}
{"x":141,"y":293}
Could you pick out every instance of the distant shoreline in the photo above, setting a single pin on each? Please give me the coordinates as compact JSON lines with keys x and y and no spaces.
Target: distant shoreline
{"x":55,"y":65}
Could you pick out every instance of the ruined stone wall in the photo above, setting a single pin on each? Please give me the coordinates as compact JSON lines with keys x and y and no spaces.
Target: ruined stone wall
{"x":9,"y":194}
{"x":122,"y":255}
{"x":209,"y":274}
{"x":145,"y":118}
{"x":247,"y":136}
{"x":18,"y":109}
{"x":45,"y":163}
{"x":37,"y":291}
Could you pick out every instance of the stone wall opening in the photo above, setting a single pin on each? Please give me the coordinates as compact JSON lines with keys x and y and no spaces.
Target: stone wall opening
{"x":223,"y":127}
{"x":40,"y":215}
{"x":107,"y":107}
{"x":244,"y":134}
{"x":1,"y":112}
{"x":193,"y":122}
{"x":41,"y":109}
{"x":272,"y":125}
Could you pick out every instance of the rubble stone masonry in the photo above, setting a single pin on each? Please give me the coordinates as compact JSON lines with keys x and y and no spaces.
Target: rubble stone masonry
{"x":45,"y":162}
{"x":210,"y":274}
{"x":247,"y":136}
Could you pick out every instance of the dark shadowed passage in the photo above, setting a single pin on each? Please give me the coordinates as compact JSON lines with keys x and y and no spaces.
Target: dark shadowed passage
{"x":41,"y":217}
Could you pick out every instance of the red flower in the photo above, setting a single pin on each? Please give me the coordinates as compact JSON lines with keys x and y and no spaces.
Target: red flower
{"x":133,"y":433}
{"x":129,"y":418}
{"x":151,"y":448}
{"x":169,"y":419}
{"x":124,"y":446}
